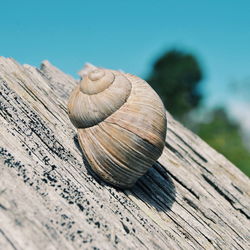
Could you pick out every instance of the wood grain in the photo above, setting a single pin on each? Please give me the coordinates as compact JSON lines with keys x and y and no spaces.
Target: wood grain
{"x":193,"y":198}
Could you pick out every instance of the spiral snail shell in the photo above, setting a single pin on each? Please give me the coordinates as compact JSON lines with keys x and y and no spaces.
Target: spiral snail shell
{"x":121,"y":124}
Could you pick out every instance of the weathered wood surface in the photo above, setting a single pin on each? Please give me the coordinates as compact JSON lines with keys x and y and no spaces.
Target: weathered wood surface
{"x":193,"y":198}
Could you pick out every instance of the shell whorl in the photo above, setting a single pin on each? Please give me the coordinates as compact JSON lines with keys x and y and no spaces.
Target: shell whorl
{"x":96,"y":81}
{"x":100,"y":93}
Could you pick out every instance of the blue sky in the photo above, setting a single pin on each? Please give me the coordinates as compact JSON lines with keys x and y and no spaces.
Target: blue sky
{"x":130,"y":35}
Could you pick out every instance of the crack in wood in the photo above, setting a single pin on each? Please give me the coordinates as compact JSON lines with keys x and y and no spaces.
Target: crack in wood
{"x":225,"y":195}
{"x":7,"y":239}
{"x":189,"y":146}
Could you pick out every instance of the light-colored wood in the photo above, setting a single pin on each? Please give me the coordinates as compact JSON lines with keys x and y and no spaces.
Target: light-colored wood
{"x":193,"y":198}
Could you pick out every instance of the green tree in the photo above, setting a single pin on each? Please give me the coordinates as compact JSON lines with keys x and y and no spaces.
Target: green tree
{"x":176,"y":77}
{"x":224,"y":135}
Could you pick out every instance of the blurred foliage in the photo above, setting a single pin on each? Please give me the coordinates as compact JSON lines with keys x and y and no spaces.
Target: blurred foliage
{"x":224,"y":135}
{"x":176,"y":77}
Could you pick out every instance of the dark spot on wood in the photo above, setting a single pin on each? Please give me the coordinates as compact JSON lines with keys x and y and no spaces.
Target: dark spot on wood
{"x":80,"y":206}
{"x":125,"y":228}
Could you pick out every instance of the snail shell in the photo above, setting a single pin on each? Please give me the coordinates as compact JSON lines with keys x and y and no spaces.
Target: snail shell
{"x":121,"y":124}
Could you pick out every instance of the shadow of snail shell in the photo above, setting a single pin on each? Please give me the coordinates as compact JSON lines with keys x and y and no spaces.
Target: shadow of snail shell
{"x":121,"y":124}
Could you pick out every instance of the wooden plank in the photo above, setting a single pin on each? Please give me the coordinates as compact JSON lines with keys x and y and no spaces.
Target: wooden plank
{"x":193,"y":198}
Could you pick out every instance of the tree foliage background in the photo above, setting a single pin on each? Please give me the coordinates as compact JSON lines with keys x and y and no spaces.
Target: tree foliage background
{"x":176,"y":76}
